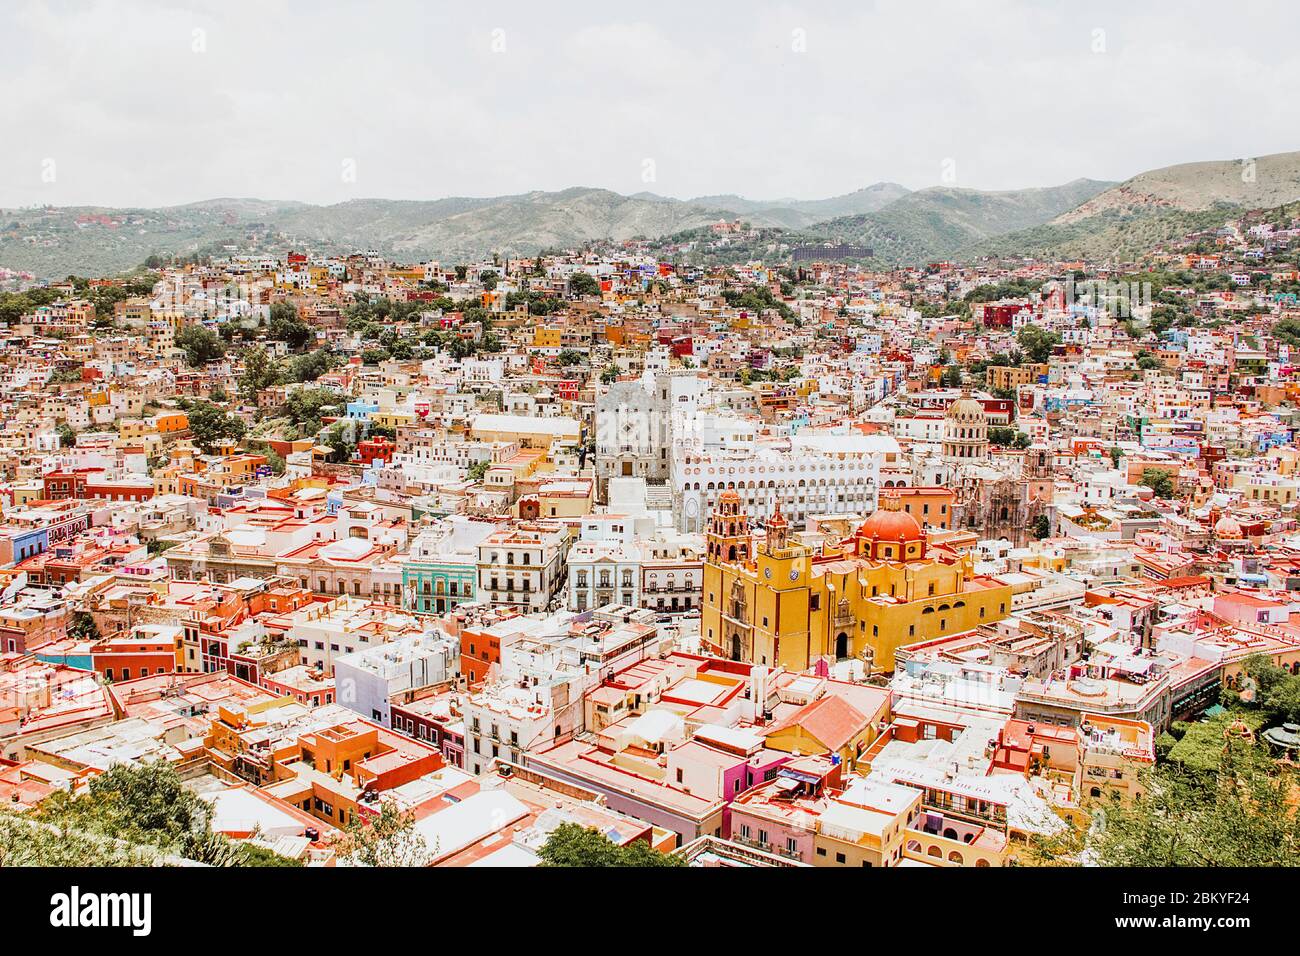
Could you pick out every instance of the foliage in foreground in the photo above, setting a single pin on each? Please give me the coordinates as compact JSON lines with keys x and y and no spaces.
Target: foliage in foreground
{"x":389,"y":838}
{"x":132,"y":815}
{"x":1241,"y":812}
{"x":572,"y":845}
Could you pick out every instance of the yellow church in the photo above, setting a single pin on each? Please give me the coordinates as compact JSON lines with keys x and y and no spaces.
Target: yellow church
{"x":880,"y":588}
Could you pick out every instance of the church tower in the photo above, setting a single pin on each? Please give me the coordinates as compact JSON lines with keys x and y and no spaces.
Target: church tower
{"x":729,"y":537}
{"x":778,"y":530}
{"x":965,"y":429}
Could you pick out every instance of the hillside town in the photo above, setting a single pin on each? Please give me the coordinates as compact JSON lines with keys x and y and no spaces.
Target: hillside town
{"x":771,"y":564}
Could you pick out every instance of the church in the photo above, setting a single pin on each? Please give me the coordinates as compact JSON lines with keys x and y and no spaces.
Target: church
{"x":782,"y":603}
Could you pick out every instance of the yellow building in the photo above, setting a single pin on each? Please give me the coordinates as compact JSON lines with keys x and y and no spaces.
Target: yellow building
{"x":882,"y":587}
{"x":547,"y":337}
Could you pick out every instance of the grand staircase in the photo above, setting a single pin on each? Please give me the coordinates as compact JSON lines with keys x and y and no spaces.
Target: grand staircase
{"x":659,"y":497}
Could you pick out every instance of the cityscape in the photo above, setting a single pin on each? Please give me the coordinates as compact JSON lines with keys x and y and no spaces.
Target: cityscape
{"x":949,"y":523}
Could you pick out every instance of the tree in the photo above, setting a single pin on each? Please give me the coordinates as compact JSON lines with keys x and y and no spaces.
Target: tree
{"x":388,"y":838}
{"x":1288,"y":331}
{"x":570,"y":357}
{"x":1001,"y":435}
{"x":1231,"y":808}
{"x":1159,"y":481}
{"x":65,"y":376}
{"x":306,"y":406}
{"x":1277,"y":690}
{"x":476,"y":471}
{"x":82,"y":627}
{"x":571,"y":844}
{"x":67,"y":435}
{"x":488,"y":279}
{"x":211,"y":427}
{"x":1042,"y":527}
{"x":260,"y":371}
{"x":340,"y":441}
{"x":610,"y":375}
{"x":311,"y":365}
{"x":144,"y":804}
{"x":1037,"y":343}
{"x":583,"y":284}
{"x":1238,"y":814}
{"x":25,"y":841}
{"x":201,"y":345}
{"x":287,"y":326}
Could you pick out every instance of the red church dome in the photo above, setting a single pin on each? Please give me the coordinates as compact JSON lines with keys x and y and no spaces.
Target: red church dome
{"x":890,"y":526}
{"x":889,"y":532}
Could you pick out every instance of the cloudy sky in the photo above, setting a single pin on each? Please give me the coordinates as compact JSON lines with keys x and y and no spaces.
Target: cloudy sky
{"x":145,"y":103}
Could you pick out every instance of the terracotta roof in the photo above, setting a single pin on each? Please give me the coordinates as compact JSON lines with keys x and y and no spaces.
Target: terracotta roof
{"x":831,"y":720}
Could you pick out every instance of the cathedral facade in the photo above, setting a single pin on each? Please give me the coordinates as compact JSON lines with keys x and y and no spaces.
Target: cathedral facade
{"x":781,"y":603}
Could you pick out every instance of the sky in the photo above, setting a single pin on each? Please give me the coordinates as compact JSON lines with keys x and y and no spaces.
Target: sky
{"x":145,"y":103}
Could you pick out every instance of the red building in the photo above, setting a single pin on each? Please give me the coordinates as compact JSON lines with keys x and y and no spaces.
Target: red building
{"x":1002,"y":316}
{"x":376,"y":449}
{"x":87,"y":483}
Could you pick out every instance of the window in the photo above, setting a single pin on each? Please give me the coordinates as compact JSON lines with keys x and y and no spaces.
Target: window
{"x":839,"y":857}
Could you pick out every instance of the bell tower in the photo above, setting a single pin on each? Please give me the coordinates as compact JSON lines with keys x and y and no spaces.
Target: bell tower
{"x":778,"y":530}
{"x":729,"y":538}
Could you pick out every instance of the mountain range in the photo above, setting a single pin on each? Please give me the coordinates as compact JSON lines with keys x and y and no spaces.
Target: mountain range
{"x":1084,"y":218}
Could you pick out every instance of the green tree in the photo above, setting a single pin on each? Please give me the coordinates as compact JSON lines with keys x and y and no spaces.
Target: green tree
{"x":1042,"y":527}
{"x":1288,"y":331}
{"x":1239,"y":814}
{"x":570,"y":357}
{"x":287,"y":326}
{"x":573,"y":845}
{"x":211,"y":427}
{"x":1277,"y":690}
{"x":201,"y":345}
{"x":476,"y":471}
{"x":583,"y":284}
{"x":1037,"y":343}
{"x":306,"y":407}
{"x":82,"y":627}
{"x":339,"y":439}
{"x":145,"y":804}
{"x":388,"y":838}
{"x":260,"y":371}
{"x":1159,"y":481}
{"x":311,"y":365}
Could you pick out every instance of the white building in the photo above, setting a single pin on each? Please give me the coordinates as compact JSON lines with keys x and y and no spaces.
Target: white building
{"x":366,"y":680}
{"x":809,"y":473}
